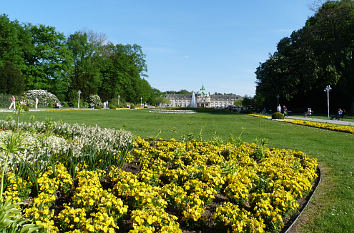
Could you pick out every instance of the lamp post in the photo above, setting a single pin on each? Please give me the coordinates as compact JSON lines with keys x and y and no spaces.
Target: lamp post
{"x":141,"y":101}
{"x":78,"y":101}
{"x":118,"y":101}
{"x":278,"y":99}
{"x":327,"y":89}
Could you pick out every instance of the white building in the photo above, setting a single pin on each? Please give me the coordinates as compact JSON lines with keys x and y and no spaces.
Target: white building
{"x":203,"y":99}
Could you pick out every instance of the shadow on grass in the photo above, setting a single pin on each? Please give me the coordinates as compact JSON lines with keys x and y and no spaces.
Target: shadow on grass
{"x":209,"y":110}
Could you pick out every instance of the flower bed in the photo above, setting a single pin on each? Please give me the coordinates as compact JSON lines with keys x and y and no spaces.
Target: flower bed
{"x":341,"y":128}
{"x":164,"y":186}
{"x":259,"y":115}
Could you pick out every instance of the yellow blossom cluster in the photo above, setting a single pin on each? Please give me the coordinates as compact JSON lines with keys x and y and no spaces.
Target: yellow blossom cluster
{"x":40,"y":209}
{"x":259,"y":115}
{"x":92,"y":209}
{"x":342,"y":128}
{"x":165,"y":186}
{"x":265,"y":183}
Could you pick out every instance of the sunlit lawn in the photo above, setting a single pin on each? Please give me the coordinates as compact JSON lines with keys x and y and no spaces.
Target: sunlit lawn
{"x":331,"y":209}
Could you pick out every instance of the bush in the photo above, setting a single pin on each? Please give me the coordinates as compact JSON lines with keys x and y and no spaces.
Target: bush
{"x":25,"y":107}
{"x":95,"y":99}
{"x":45,"y":98}
{"x":98,"y":107}
{"x":112,"y":106}
{"x":277,"y":115}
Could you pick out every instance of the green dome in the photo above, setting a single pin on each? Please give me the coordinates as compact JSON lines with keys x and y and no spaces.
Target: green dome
{"x":203,"y":91}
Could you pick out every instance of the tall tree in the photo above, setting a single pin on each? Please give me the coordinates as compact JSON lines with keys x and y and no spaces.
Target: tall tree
{"x":15,"y":41}
{"x":49,"y":62}
{"x":86,"y":73}
{"x":319,"y":54}
{"x":11,"y":79}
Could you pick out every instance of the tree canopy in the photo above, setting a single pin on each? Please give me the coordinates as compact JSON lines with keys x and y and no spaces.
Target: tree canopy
{"x":40,"y":57}
{"x":317,"y":55}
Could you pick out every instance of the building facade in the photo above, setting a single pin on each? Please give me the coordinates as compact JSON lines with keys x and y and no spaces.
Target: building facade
{"x":202,"y":99}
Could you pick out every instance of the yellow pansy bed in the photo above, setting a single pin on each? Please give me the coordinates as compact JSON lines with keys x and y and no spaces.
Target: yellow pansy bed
{"x":342,"y":128}
{"x":171,"y":186}
{"x":328,"y":126}
{"x":259,"y":115}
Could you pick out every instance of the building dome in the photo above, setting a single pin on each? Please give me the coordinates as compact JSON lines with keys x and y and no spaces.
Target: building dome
{"x":203,"y":91}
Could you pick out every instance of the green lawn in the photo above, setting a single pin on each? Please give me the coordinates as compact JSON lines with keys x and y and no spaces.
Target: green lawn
{"x":331,"y":209}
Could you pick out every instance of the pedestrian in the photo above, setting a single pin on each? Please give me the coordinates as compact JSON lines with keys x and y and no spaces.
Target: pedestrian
{"x":339,"y":114}
{"x":285,"y":110}
{"x":309,"y":112}
{"x":36,"y":103}
{"x":13,"y":103}
{"x":279,"y":108}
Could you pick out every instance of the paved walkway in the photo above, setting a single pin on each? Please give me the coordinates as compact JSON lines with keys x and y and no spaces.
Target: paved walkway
{"x":337,"y":122}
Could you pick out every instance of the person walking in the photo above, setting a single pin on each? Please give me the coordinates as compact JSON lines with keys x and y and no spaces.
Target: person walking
{"x":13,"y":103}
{"x":279,"y":108}
{"x":285,"y":110}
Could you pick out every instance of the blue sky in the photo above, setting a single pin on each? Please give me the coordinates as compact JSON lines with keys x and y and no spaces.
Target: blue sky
{"x":187,"y":43}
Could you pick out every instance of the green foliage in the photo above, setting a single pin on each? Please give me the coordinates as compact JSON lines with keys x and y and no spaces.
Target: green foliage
{"x":49,"y":62}
{"x":5,"y":100}
{"x":239,"y":103}
{"x":25,"y":107}
{"x":12,"y":221}
{"x":312,"y":57}
{"x":10,"y":145}
{"x":95,"y":100}
{"x":11,"y":79}
{"x":112,"y":106}
{"x":39,"y":57}
{"x":277,"y":115}
{"x":162,"y":100}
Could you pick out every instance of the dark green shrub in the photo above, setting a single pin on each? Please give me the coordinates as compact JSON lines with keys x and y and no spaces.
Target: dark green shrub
{"x":25,"y":107}
{"x":98,"y":107}
{"x":277,"y":115}
{"x":112,"y":106}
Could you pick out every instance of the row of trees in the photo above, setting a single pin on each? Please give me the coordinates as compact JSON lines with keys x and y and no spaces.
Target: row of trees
{"x":317,"y":55}
{"x":39,"y":57}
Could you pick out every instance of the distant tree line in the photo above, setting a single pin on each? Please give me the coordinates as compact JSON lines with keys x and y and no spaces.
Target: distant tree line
{"x":39,"y":57}
{"x":317,"y":55}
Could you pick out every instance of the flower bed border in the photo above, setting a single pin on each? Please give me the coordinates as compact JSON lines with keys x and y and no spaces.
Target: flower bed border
{"x":293,"y":219}
{"x":331,"y":127}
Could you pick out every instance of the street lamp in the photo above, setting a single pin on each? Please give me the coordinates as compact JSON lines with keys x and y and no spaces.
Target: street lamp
{"x":278,"y":99}
{"x":78,"y":101}
{"x":327,"y":89}
{"x":141,"y":101}
{"x":118,"y":101}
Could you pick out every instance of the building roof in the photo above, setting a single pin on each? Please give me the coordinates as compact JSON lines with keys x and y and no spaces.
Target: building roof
{"x":203,"y":91}
{"x":179,"y":96}
{"x":224,"y":97}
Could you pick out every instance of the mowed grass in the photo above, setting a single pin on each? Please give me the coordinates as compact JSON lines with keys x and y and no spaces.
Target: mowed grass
{"x":331,"y":209}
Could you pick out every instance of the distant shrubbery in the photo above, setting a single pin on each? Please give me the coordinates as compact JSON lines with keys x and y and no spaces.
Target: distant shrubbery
{"x":277,"y":115}
{"x":45,"y":98}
